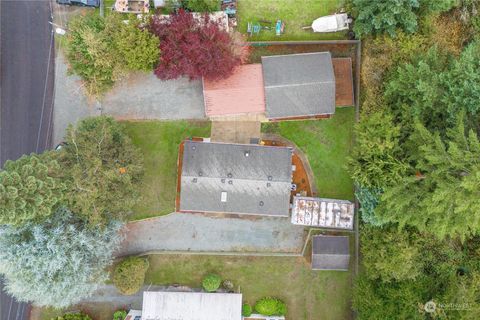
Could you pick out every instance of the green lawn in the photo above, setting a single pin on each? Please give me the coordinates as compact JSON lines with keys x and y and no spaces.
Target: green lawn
{"x":295,"y":13}
{"x":159,"y":142}
{"x":327,"y":144}
{"x":310,"y":295}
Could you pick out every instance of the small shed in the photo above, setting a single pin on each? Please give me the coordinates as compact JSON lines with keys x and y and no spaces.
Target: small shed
{"x":299,"y":85}
{"x":241,"y":93}
{"x":330,"y":253}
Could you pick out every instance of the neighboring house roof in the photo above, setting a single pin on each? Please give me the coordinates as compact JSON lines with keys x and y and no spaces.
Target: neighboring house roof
{"x":240,"y":93}
{"x":191,"y":306}
{"x":299,"y":85}
{"x":330,"y":253}
{"x":321,"y":212}
{"x":236,"y":178}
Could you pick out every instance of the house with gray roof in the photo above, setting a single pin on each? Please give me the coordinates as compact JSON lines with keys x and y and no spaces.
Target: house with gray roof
{"x":299,"y":85}
{"x":330,"y":253}
{"x":235,"y":178}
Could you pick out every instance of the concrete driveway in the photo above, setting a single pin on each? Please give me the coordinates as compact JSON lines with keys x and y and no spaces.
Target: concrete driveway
{"x":201,"y":233}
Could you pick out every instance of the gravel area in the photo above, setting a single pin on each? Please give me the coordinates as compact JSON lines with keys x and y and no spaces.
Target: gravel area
{"x":201,"y":233}
{"x":144,"y":97}
{"x":71,"y":104}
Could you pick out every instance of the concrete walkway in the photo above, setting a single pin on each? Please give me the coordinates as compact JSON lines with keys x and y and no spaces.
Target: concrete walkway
{"x":201,"y":233}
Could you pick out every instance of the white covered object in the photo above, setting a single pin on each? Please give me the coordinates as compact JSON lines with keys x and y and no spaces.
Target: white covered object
{"x":332,"y":23}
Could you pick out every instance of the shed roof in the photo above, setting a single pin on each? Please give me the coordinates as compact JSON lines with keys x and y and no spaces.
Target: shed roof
{"x":330,"y":252}
{"x":191,"y":306}
{"x":250,"y":179}
{"x":240,"y":93}
{"x":299,"y":85}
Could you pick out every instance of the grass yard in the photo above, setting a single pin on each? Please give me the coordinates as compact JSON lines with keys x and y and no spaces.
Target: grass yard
{"x":327,"y":144}
{"x":309,"y":295}
{"x":159,"y":142}
{"x":295,"y":13}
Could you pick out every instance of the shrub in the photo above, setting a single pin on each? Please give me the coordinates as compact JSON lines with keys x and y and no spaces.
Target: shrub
{"x":73,"y":316}
{"x":136,"y":45}
{"x":227,"y":285}
{"x":202,"y":5}
{"x":120,"y":315}
{"x":129,"y":275}
{"x":270,"y":306}
{"x":246,"y":310}
{"x":194,"y":48}
{"x":89,"y":52}
{"x":100,"y":50}
{"x":211,"y":282}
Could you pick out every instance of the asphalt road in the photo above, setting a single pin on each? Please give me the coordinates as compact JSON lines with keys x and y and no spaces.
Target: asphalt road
{"x":27,"y":77}
{"x":26,"y":98}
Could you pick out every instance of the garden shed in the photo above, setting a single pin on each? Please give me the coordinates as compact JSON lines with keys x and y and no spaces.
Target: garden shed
{"x":330,"y":253}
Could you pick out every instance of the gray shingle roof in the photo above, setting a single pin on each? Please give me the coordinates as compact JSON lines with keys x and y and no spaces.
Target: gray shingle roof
{"x":330,"y":253}
{"x":259,"y":183}
{"x":299,"y":85}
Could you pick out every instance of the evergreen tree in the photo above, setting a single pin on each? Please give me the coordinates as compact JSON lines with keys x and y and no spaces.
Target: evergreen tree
{"x":104,"y":168}
{"x":389,"y":255}
{"x":444,"y":196}
{"x":58,"y":262}
{"x":376,"y":158}
{"x":30,"y":188}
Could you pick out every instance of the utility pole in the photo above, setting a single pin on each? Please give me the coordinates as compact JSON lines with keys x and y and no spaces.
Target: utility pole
{"x":102,"y":9}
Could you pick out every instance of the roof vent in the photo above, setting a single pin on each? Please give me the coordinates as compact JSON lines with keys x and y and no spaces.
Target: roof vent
{"x":261,"y":203}
{"x":200,"y":173}
{"x":269,"y":178}
{"x":223,"y":180}
{"x":229,"y":175}
{"x":194,"y":148}
{"x":247,"y":153}
{"x":230,"y":181}
{"x":269,"y":184}
{"x":223,"y":196}
{"x":194,"y":180}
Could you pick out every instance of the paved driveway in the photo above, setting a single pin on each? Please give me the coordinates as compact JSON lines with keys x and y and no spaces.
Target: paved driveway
{"x":144,"y":96}
{"x":199,"y":233}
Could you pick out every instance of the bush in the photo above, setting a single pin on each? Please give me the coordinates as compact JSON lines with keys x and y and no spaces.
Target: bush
{"x":73,"y":316}
{"x":246,"y":310}
{"x":129,"y":275}
{"x":270,"y":306}
{"x":120,"y":315}
{"x":211,"y":282}
{"x":100,"y":50}
{"x":227,"y":285}
{"x":202,"y":5}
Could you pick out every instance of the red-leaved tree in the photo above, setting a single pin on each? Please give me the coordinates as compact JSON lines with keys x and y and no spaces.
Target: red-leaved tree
{"x":193,"y":47}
